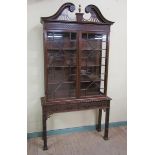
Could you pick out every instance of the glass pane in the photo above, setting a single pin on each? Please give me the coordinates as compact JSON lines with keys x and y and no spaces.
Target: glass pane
{"x":90,"y":58}
{"x":91,"y":45}
{"x":58,"y":35}
{"x":61,"y":90}
{"x":61,"y":65}
{"x":50,"y":35}
{"x":90,"y":80}
{"x":62,"y":58}
{"x":61,"y":44}
{"x":56,"y":74}
{"x":61,"y":82}
{"x":93,"y":56}
{"x":56,"y":58}
{"x":61,"y":35}
{"x":94,"y":36}
{"x":103,"y":45}
{"x":61,"y":40}
{"x":73,"y":36}
{"x":84,"y":35}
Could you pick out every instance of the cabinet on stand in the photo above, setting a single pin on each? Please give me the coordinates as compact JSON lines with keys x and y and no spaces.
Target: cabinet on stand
{"x":76,"y":54}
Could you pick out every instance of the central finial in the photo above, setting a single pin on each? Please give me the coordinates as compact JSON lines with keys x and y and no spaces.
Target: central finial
{"x":79,"y":8}
{"x":79,"y":15}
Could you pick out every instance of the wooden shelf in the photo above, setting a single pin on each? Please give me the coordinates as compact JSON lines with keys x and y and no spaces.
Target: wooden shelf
{"x":61,"y":41}
{"x":61,"y":66}
{"x":63,"y":82}
{"x":91,"y":81}
{"x":92,"y":66}
{"x":75,"y":66}
{"x":58,"y":49}
{"x":94,"y":40}
{"x":93,"y":49}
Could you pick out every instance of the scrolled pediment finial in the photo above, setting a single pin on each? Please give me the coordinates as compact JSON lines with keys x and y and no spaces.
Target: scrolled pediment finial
{"x":79,"y":8}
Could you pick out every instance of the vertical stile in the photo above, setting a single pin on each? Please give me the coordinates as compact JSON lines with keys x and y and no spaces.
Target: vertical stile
{"x":78,"y":60}
{"x":106,"y":64}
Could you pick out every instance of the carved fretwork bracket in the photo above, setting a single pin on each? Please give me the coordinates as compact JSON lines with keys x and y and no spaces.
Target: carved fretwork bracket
{"x":46,"y":114}
{"x":49,"y":114}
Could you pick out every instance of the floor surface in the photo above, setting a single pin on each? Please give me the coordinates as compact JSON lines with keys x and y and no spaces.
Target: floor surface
{"x":83,"y":143}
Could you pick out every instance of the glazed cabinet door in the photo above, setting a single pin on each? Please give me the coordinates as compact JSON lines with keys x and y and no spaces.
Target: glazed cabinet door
{"x":75,"y":64}
{"x":93,"y":58}
{"x":61,"y":51}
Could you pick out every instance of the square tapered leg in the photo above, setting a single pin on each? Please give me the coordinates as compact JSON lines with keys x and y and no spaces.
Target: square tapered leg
{"x":44,"y":133}
{"x":106,"y":130}
{"x":99,"y":120}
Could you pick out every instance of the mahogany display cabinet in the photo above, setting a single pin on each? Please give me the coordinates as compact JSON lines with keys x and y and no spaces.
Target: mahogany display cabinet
{"x":76,"y":55}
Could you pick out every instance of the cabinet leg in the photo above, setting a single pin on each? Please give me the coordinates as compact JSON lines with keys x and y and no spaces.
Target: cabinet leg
{"x":44,"y":133}
{"x":42,"y":127}
{"x":106,"y":130}
{"x":99,"y":120}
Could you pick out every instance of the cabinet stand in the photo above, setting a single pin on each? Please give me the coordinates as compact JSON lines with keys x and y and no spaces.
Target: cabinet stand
{"x":49,"y":108}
